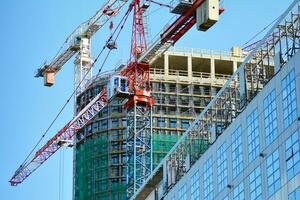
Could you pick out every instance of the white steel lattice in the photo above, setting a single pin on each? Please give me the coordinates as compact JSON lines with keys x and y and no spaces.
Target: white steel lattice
{"x":139,"y":150}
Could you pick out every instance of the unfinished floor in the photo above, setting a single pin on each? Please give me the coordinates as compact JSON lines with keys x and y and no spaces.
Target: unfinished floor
{"x":183,"y":83}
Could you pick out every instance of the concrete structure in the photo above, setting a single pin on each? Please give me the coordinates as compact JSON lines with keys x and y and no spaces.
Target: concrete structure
{"x":183,"y":83}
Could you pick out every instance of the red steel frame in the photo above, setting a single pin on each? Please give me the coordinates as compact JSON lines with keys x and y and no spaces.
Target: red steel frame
{"x":138,"y":77}
{"x":138,"y":74}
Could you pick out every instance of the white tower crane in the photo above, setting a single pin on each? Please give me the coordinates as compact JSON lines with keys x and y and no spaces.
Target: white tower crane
{"x":80,"y":42}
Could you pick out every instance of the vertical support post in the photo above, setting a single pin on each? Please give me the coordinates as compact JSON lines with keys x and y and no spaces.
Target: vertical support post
{"x":243,"y":88}
{"x":134,"y":148}
{"x":189,"y":64}
{"x":166,"y":65}
{"x":212,"y":68}
{"x":234,"y":66}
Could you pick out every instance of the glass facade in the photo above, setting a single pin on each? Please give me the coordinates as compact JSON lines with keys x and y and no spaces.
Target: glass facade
{"x":255,"y":184}
{"x":208,"y":180}
{"x":183,"y":193}
{"x":273,"y":173}
{"x":237,"y":152}
{"x":258,"y":156}
{"x":270,"y":117}
{"x":295,"y":195}
{"x":221,"y":167}
{"x":195,"y":186}
{"x":238,"y":192}
{"x":292,"y":155}
{"x":289,"y":100}
{"x":253,"y":135}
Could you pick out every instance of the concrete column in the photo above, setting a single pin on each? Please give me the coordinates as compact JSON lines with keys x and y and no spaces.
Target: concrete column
{"x":166,"y":64}
{"x":212,"y":68}
{"x":234,"y":66}
{"x":189,"y":64}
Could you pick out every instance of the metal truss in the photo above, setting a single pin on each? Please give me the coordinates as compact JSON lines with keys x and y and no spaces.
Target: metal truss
{"x":173,"y":33}
{"x":65,"y":134}
{"x":87,"y":29}
{"x":82,"y":68}
{"x":138,"y":147}
{"x":280,"y":44}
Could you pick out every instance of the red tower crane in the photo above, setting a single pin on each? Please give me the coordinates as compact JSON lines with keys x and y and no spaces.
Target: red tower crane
{"x":136,"y":76}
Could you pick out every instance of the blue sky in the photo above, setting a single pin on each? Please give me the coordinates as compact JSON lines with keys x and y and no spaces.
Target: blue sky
{"x":32,"y":31}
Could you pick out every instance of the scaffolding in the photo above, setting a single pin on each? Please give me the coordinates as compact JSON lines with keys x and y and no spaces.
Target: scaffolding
{"x":271,"y":54}
{"x":181,"y":92}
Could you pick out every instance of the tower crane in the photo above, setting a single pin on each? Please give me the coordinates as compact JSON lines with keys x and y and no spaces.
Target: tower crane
{"x":133,"y":84}
{"x":79,"y":41}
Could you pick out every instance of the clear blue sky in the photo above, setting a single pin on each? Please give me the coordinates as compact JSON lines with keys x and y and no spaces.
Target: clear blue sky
{"x":33,"y":30}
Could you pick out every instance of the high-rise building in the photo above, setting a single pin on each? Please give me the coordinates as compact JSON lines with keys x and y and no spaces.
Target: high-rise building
{"x":258,"y":155}
{"x":183,"y":82}
{"x":252,"y":127}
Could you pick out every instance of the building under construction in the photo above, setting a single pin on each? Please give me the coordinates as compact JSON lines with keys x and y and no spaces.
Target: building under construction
{"x":139,"y":130}
{"x":183,"y":82}
{"x":160,"y":94}
{"x":253,"y":126}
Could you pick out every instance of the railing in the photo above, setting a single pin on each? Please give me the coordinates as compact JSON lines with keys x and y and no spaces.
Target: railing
{"x":249,"y":79}
{"x":205,"y":52}
{"x":178,"y":72}
{"x":156,"y":71}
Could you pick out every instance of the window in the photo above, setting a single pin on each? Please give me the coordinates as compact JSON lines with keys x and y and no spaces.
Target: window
{"x":288,"y":86}
{"x":116,"y":109}
{"x":270,"y":117}
{"x":295,"y":195}
{"x":95,"y":126}
{"x":255,"y":184}
{"x":273,"y":173}
{"x":292,"y":155}
{"x":124,"y":122}
{"x":208,"y":180}
{"x":103,"y":124}
{"x":221,"y":167}
{"x":238,"y":192}
{"x":237,"y":152}
{"x":104,"y":111}
{"x":253,"y":135}
{"x":172,"y":123}
{"x":195,"y":193}
{"x":115,"y":123}
{"x":182,"y":193}
{"x":161,"y":122}
{"x":185,"y":124}
{"x":88,"y":129}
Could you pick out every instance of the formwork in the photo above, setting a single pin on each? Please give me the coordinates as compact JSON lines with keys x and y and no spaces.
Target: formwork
{"x":183,"y":83}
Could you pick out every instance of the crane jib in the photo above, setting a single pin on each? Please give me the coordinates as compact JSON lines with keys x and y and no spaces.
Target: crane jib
{"x":66,"y":133}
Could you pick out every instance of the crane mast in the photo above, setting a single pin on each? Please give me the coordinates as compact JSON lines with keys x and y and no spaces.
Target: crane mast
{"x":138,"y":100}
{"x":139,"y":108}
